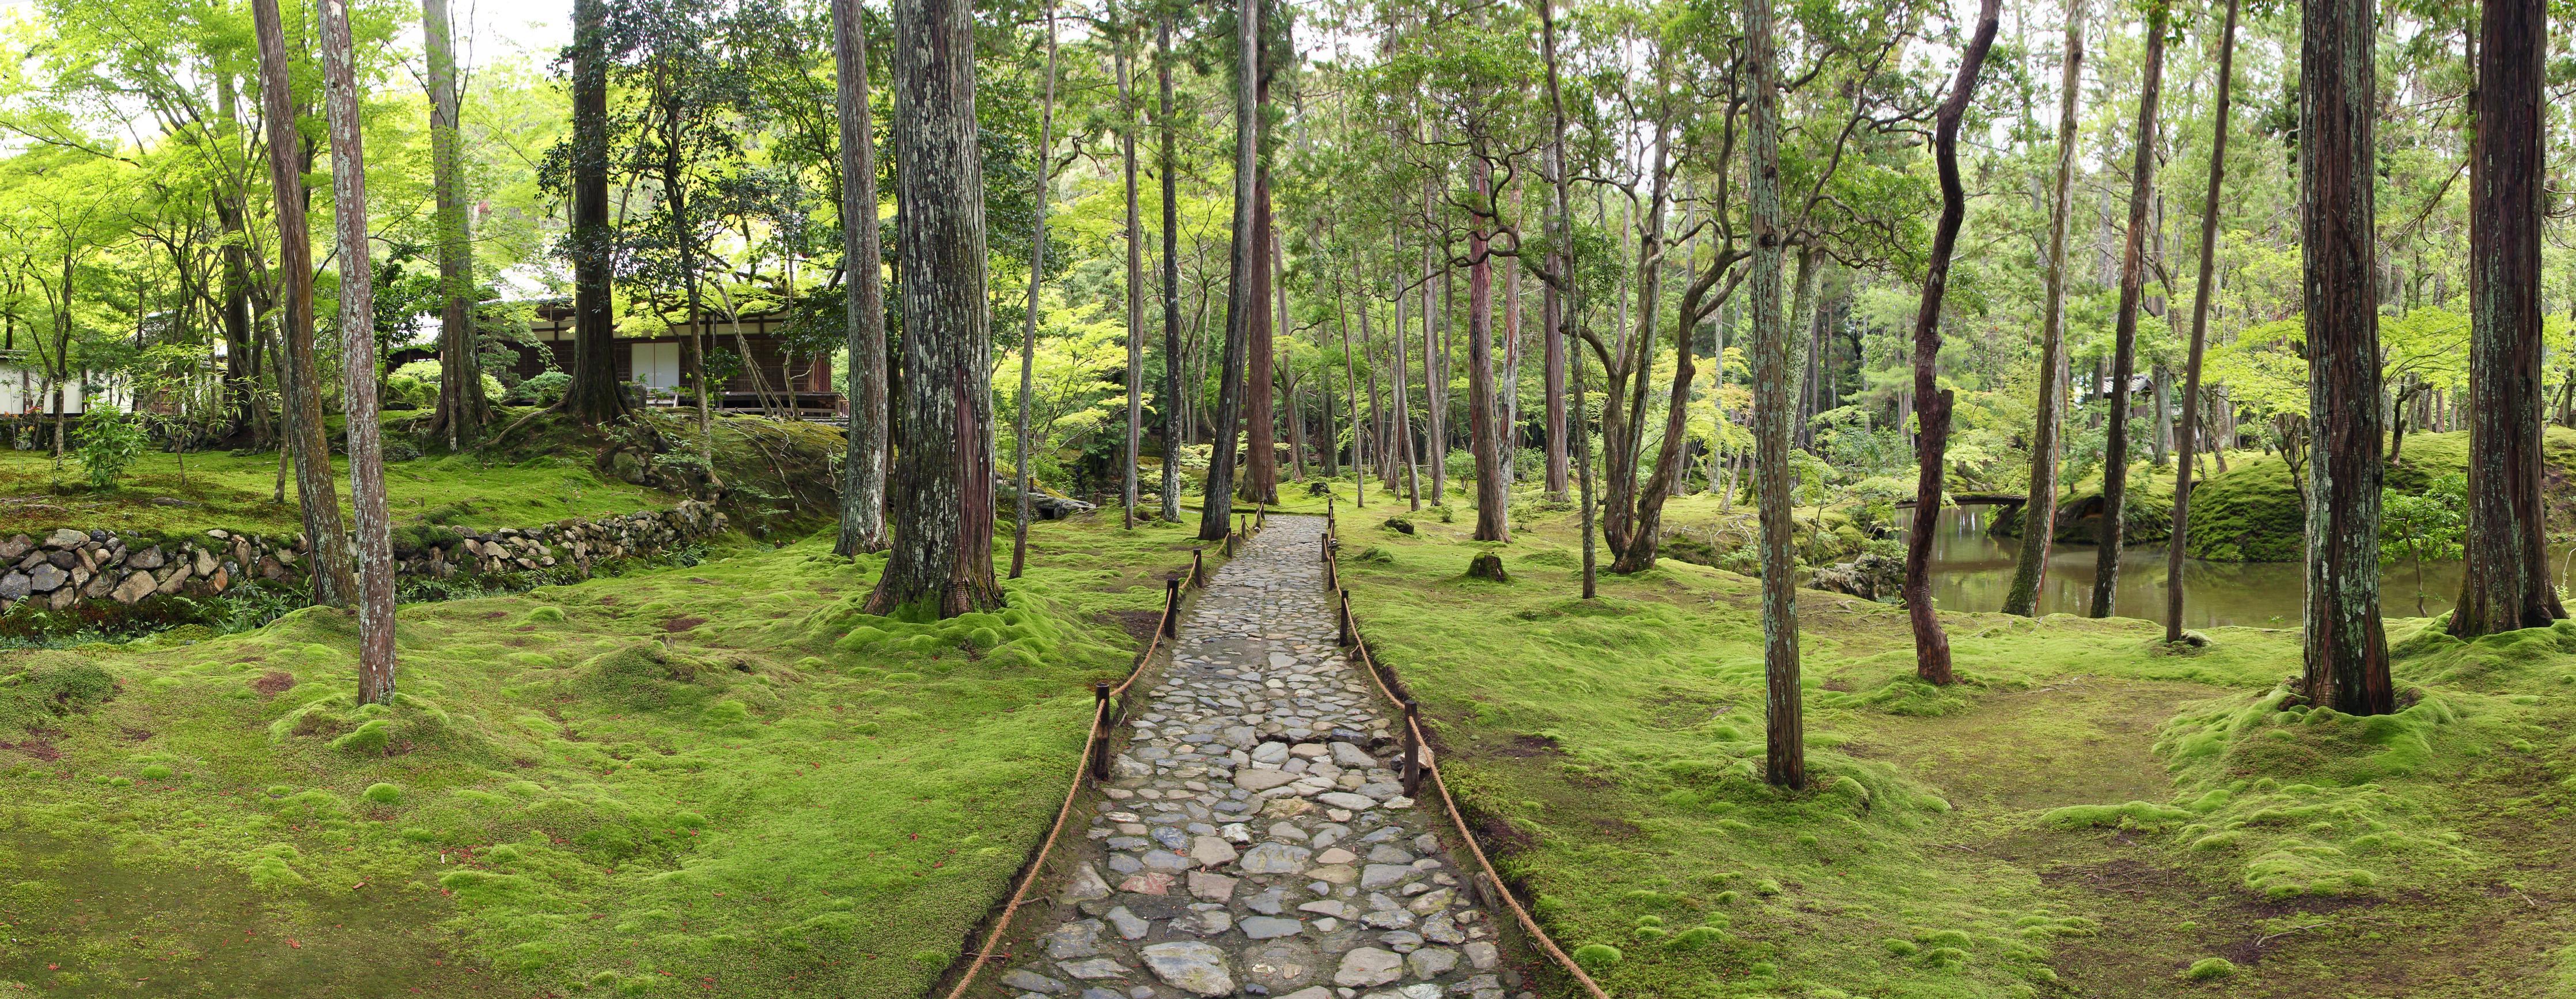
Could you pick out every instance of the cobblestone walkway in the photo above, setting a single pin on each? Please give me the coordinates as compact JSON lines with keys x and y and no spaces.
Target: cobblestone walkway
{"x":1255,"y":839}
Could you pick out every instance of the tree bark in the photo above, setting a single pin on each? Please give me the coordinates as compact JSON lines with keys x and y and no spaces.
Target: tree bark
{"x":1403,"y":401}
{"x":323,"y":529}
{"x":1931,"y":644}
{"x":1786,"y":759}
{"x":1128,"y":122}
{"x":375,"y":546}
{"x":1552,"y":313}
{"x":1175,"y":406}
{"x":2188,"y":444}
{"x":462,"y":407}
{"x":2505,"y":582}
{"x":2039,"y":509}
{"x":1020,"y":483}
{"x":2124,"y":351}
{"x":943,"y":517}
{"x":1260,"y":379}
{"x":1244,"y":304}
{"x":2345,"y":654}
{"x":594,"y":395}
{"x":863,"y":470}
{"x":1493,"y":498}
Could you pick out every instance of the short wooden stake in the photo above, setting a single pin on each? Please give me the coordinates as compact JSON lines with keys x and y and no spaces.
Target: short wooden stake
{"x":1412,"y":748}
{"x":1172,"y":607}
{"x":1346,"y":618}
{"x":1100,"y":757}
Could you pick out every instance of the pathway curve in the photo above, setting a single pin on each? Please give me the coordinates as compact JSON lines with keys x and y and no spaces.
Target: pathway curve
{"x":1254,"y":838}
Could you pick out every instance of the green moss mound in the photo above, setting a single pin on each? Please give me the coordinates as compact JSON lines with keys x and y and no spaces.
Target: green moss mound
{"x":50,"y":686}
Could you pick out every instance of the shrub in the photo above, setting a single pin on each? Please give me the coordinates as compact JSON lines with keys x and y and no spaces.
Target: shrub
{"x":110,"y":440}
{"x":543,"y":389}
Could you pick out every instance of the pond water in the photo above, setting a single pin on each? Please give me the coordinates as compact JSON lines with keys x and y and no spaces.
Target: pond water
{"x":1971,"y":571}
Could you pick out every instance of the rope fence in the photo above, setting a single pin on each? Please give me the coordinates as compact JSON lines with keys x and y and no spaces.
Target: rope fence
{"x":1108,"y":710}
{"x":1420,"y":763}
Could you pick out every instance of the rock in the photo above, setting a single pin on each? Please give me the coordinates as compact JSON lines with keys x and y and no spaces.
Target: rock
{"x":1375,"y":876}
{"x":1352,"y":757}
{"x":1080,"y":938}
{"x":1189,"y":965}
{"x":1128,"y":925}
{"x":1340,"y":874}
{"x":205,"y":564}
{"x":1211,"y":851}
{"x":1431,"y":962}
{"x":1441,"y":929}
{"x":1267,"y":927}
{"x":1211,"y":887}
{"x":1093,"y":969}
{"x":135,"y":587}
{"x":1483,"y":955}
{"x":1166,"y":861}
{"x":1262,"y":780}
{"x":1270,"y":752}
{"x":65,"y":538}
{"x":1206,"y":919}
{"x":1388,"y":919}
{"x":15,"y":586}
{"x":1433,"y":901}
{"x":1488,"y":566}
{"x":1147,"y":883}
{"x":149,"y":558}
{"x":1314,"y":992}
{"x":1269,"y":902}
{"x":1274,"y":858}
{"x":14,"y":548}
{"x":1367,"y":966}
{"x":1087,"y":886}
{"x":1029,"y":981}
{"x":1870,"y":577}
{"x":1336,"y":855}
{"x":47,"y":578}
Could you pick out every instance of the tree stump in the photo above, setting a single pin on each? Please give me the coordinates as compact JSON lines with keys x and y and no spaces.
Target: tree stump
{"x":1488,"y":566}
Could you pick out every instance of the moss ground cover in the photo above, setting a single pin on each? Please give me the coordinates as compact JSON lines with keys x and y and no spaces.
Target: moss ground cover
{"x":232,"y":492}
{"x":2085,"y":815}
{"x":720,"y":779}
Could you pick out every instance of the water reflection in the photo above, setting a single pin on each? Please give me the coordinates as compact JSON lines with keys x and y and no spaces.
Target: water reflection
{"x":1971,"y":571}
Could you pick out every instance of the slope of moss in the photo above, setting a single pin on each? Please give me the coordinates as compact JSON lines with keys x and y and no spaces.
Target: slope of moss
{"x":2086,"y":813}
{"x":2148,"y":506}
{"x":2253,"y":513}
{"x":716,"y":777}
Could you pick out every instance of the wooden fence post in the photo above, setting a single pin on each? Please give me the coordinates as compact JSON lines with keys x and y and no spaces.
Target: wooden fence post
{"x":1100,"y":751}
{"x":1172,"y":607}
{"x":1346,"y":619}
{"x":1198,"y":560}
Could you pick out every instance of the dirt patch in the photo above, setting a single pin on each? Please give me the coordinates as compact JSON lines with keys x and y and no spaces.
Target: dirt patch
{"x":1525,"y":746}
{"x":1140,"y":625}
{"x":679,"y":624}
{"x":38,"y":748}
{"x":273,"y":683}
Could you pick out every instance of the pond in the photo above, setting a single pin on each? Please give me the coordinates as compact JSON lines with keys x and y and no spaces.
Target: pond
{"x":1971,"y":571}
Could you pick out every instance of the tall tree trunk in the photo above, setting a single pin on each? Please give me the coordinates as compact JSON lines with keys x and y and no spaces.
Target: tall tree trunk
{"x":1552,"y":376}
{"x":1802,"y":311}
{"x":2124,"y":352}
{"x":1493,"y":496}
{"x":1931,"y":644}
{"x":2039,"y":508}
{"x":2190,"y":439}
{"x":594,"y":395}
{"x":1175,"y":406}
{"x":1129,"y":119}
{"x":2345,"y":652}
{"x":1020,"y":483}
{"x":1260,"y":380}
{"x":863,"y":471}
{"x":1786,"y":759}
{"x":462,"y":408}
{"x":2505,"y":582}
{"x":1288,"y":372}
{"x":1243,"y":304}
{"x":943,"y":516}
{"x":1403,"y":401}
{"x":1435,"y":389}
{"x":1510,"y":377}
{"x":323,"y":529}
{"x":376,"y":565}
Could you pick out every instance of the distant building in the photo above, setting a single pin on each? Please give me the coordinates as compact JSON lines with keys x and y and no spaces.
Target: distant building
{"x":796,"y":384}
{"x":24,"y":392}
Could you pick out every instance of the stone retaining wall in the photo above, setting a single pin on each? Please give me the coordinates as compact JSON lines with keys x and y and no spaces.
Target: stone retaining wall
{"x":66,"y":567}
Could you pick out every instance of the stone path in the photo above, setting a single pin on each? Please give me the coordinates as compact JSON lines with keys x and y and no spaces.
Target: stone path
{"x":1255,"y":839}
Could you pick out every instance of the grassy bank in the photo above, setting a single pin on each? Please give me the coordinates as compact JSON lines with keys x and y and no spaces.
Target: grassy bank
{"x":2084,"y":815}
{"x":719,"y":779}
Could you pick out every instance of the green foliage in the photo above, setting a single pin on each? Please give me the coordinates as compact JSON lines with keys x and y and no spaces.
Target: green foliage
{"x":110,"y":440}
